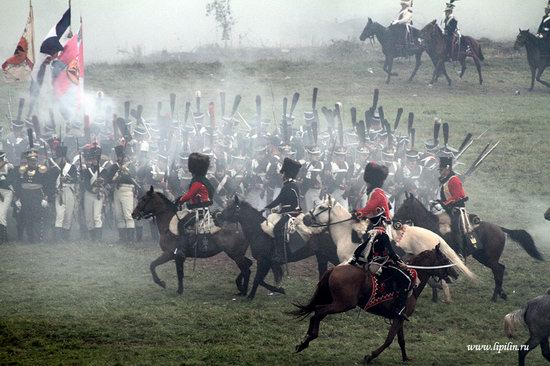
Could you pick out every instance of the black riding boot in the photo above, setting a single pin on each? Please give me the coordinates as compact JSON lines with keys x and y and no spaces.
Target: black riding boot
{"x":401,"y":304}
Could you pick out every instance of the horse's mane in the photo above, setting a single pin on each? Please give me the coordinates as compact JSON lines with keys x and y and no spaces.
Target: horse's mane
{"x":167,"y":201}
{"x":246,"y":205}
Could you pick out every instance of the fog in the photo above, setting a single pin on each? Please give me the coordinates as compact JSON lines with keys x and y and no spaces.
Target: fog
{"x":113,"y":28}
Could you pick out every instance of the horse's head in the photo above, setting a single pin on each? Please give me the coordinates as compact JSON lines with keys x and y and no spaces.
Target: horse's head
{"x":325,"y":213}
{"x":547,"y":214}
{"x":409,"y":210}
{"x":232,"y":211}
{"x":150,"y":204}
{"x":436,"y":259}
{"x":521,"y":39}
{"x":429,"y":31}
{"x":369,"y":31}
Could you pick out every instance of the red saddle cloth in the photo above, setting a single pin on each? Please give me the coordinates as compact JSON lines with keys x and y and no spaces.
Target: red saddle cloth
{"x":382,"y":290}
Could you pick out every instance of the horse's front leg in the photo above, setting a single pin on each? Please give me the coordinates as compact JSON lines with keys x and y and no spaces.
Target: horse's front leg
{"x":462,"y":61}
{"x":390,"y":67}
{"x":394,"y":329}
{"x":478,"y":67}
{"x":444,"y":71}
{"x":179,"y":271}
{"x":416,"y":67}
{"x":533,"y":75}
{"x":163,"y":258}
{"x":539,"y":75}
{"x":401,"y":341}
{"x":261,"y":271}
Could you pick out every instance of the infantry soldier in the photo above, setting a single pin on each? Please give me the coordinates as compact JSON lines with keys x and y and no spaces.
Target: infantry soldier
{"x":65,"y":176}
{"x":7,"y":176}
{"x":312,"y":183}
{"x":122,"y":178}
{"x":93,"y":181}
{"x":340,"y":172}
{"x":31,"y":190}
{"x":288,"y":202}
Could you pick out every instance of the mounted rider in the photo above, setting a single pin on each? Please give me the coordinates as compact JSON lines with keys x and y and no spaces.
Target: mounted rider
{"x":544,"y":27}
{"x":288,"y":202}
{"x":198,"y":197}
{"x":452,"y":198}
{"x":405,"y":18}
{"x":450,"y":31}
{"x":376,"y":252}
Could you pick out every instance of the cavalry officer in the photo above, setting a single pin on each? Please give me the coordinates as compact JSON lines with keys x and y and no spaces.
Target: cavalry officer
{"x":376,"y":249}
{"x":544,"y":27}
{"x":451,"y":27}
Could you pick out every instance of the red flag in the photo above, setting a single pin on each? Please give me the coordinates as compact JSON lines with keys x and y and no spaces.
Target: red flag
{"x":19,"y":66}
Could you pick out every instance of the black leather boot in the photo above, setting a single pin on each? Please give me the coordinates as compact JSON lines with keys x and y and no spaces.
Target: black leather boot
{"x":180,"y":248}
{"x":401,"y":304}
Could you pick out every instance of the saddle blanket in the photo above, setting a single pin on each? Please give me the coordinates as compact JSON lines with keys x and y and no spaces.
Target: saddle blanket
{"x":204,"y":226}
{"x":295,"y":224}
{"x":382,"y":290}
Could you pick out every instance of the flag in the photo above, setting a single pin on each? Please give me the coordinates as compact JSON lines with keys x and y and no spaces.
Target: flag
{"x":19,"y":66}
{"x":67,"y":70}
{"x":52,"y":43}
{"x":49,"y":49}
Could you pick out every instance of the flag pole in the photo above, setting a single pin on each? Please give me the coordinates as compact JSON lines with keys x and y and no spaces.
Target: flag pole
{"x":32,"y":20}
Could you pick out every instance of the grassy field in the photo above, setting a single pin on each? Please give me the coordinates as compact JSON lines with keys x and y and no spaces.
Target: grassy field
{"x":85,"y":303}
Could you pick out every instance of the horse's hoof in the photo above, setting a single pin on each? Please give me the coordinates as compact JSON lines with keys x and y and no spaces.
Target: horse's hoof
{"x":503,"y":295}
{"x":494,"y":299}
{"x":250,"y":298}
{"x":408,"y":359}
{"x":162,"y":284}
{"x":368,"y":359}
{"x":301,"y":347}
{"x":281,"y":291}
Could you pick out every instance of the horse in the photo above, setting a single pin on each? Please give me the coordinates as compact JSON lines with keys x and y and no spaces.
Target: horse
{"x":534,"y":316}
{"x":412,"y":240}
{"x":345,"y":287}
{"x":228,"y":239}
{"x":389,"y":39}
{"x":435,"y":44}
{"x":491,"y":236}
{"x":538,"y":55}
{"x":262,"y":245}
{"x":547,"y":215}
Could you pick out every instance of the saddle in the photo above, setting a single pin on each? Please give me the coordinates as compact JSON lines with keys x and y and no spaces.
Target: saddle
{"x":204,"y":225}
{"x":468,"y":223}
{"x":297,"y":234}
{"x":382,"y":289}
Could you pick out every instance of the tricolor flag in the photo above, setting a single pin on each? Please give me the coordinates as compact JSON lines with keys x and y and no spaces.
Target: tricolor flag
{"x":19,"y":66}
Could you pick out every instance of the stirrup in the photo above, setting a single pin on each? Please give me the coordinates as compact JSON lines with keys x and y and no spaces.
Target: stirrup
{"x":401,"y":314}
{"x":178,"y":252}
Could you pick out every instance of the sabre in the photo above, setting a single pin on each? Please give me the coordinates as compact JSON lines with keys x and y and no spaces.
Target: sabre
{"x":244,"y":120}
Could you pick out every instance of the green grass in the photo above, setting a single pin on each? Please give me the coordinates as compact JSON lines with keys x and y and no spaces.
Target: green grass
{"x":85,"y":303}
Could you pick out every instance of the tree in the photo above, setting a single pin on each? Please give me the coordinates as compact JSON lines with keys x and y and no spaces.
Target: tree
{"x":221,"y":9}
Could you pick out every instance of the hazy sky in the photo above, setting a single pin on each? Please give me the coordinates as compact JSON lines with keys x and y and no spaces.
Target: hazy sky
{"x":181,"y":25}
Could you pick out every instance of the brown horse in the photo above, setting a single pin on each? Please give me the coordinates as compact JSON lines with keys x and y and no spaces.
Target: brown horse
{"x":435,"y":44}
{"x":229,"y":239}
{"x":345,"y":287}
{"x":538,"y":55}
{"x":391,"y":39}
{"x":492,"y":238}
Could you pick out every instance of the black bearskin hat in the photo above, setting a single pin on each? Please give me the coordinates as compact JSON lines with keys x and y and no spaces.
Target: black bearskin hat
{"x":290,"y":168}
{"x":375,"y":174}
{"x":119,"y":151}
{"x":198,"y":164}
{"x":445,"y":162}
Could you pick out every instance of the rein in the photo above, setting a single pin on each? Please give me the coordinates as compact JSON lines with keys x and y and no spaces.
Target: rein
{"x":435,"y":267}
{"x":318,"y":224}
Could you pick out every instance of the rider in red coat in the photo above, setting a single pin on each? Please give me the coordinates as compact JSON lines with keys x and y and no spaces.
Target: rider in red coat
{"x":199,"y":195}
{"x":376,"y":248}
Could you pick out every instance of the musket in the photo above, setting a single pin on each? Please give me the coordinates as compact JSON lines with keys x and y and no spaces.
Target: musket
{"x":479,"y":157}
{"x":471,"y":143}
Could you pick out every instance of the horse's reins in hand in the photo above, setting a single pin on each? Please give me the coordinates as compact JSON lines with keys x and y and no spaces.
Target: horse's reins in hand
{"x":436,"y":267}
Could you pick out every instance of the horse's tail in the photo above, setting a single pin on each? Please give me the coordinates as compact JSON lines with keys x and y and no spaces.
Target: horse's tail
{"x":480,"y":56}
{"x":513,"y":320}
{"x":526,"y":241}
{"x":320,"y":297}
{"x":455,"y":259}
{"x":277,"y":270}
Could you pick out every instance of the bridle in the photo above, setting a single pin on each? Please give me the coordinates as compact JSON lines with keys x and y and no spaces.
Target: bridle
{"x":145,"y":215}
{"x":316,"y":223}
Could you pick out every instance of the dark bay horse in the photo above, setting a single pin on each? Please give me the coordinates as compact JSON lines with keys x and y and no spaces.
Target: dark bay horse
{"x":538,"y":55}
{"x":229,"y":239}
{"x":435,"y":44}
{"x":262,"y":245}
{"x":345,"y":287}
{"x":492,"y":237}
{"x":391,"y":39}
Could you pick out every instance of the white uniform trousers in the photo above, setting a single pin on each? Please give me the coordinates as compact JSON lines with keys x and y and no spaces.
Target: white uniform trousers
{"x":123,"y":205}
{"x":64,"y":212}
{"x":93,"y":208}
{"x":5,"y":205}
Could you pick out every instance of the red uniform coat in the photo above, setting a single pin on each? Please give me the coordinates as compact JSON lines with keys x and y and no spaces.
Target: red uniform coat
{"x":197,"y":193}
{"x":377,"y":201}
{"x":452,"y":191}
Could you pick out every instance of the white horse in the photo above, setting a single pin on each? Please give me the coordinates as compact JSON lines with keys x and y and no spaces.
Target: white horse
{"x":413,"y":240}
